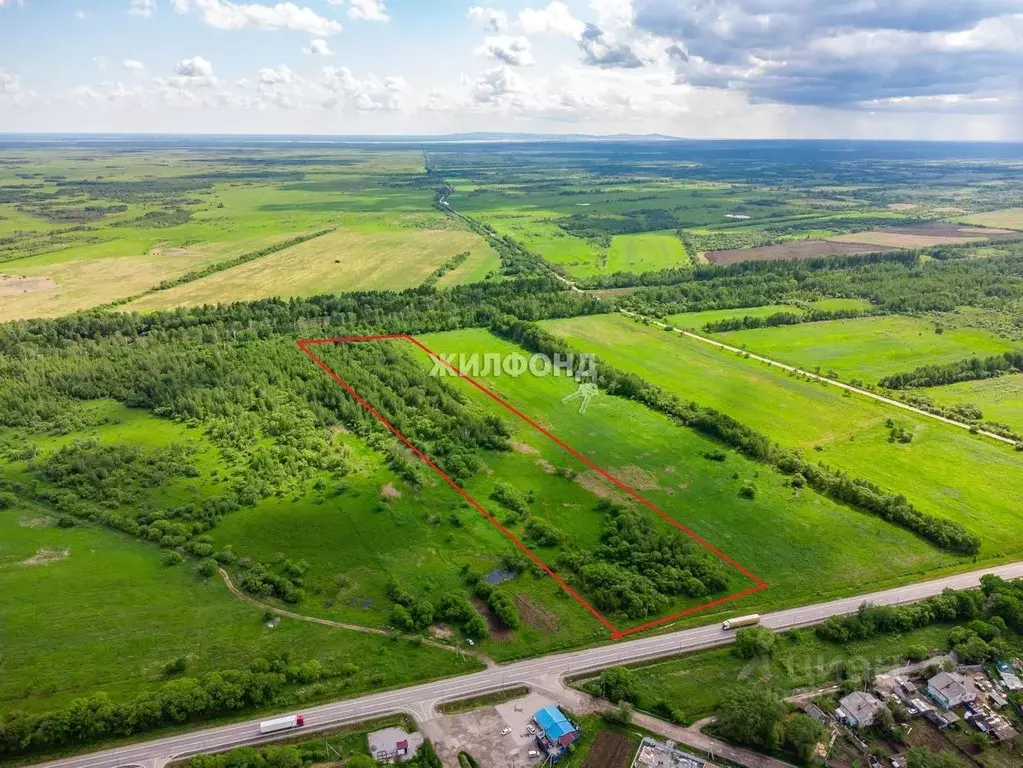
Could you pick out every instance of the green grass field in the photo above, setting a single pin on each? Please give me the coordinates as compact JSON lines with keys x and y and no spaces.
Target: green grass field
{"x":1000,"y":399}
{"x":867,"y":348}
{"x":667,"y":466}
{"x":58,"y":282}
{"x":646,"y":252}
{"x":944,"y":471}
{"x":98,"y":611}
{"x":417,"y":541}
{"x":695,"y":321}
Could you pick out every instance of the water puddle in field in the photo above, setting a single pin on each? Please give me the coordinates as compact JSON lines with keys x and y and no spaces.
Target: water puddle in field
{"x":499,"y":576}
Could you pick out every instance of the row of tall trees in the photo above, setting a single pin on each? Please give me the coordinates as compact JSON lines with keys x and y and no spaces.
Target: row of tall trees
{"x":973,"y":369}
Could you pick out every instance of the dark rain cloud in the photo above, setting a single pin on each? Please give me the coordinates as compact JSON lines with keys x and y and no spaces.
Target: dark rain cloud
{"x":766,"y":48}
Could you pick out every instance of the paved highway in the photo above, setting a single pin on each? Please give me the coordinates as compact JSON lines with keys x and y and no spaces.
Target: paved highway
{"x":420,"y":700}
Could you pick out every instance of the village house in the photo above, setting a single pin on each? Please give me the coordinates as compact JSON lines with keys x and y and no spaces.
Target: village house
{"x":950,"y":689}
{"x":858,"y":709}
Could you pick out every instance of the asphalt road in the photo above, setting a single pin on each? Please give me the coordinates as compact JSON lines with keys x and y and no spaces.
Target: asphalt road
{"x":420,"y":700}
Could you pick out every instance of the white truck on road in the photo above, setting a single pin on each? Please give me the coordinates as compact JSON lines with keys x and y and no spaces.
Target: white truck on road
{"x":741,"y":621}
{"x":282,"y":724}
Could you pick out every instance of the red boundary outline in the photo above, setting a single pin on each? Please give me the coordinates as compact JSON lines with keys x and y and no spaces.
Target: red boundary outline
{"x":616,"y":633}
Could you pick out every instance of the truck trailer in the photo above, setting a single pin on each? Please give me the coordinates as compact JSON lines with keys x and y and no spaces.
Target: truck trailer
{"x":282,"y":724}
{"x":741,"y":621}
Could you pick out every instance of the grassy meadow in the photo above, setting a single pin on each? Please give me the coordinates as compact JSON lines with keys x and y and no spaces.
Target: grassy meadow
{"x":1000,"y":399}
{"x":85,"y":610}
{"x":646,"y":252}
{"x":868,"y":348}
{"x":667,"y":466}
{"x":945,"y":471}
{"x":423,"y":537}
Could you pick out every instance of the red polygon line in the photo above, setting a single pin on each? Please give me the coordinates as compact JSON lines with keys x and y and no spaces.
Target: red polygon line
{"x":461,"y":491}
{"x":652,"y":507}
{"x":617,"y":634}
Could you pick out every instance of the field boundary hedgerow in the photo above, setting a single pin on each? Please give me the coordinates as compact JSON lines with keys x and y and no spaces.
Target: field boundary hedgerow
{"x":818,"y":378}
{"x":616,"y":632}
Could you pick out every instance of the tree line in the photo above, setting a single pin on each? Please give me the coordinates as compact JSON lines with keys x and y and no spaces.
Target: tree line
{"x":972,"y":369}
{"x":182,"y":700}
{"x":989,"y":612}
{"x":748,"y":322}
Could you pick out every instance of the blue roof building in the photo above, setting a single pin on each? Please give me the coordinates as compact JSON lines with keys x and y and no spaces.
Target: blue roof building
{"x":556,"y":732}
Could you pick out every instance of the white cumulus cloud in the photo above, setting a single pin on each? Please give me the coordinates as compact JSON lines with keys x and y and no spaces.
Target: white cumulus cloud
{"x":318,"y":48}
{"x":281,"y":75}
{"x":364,"y":10}
{"x":196,"y":66}
{"x":492,"y":19}
{"x":514,"y":51}
{"x":9,"y":84}
{"x":133,"y":65}
{"x":223,"y":14}
{"x":371,"y":94}
{"x":143,"y":8}
{"x":555,"y":19}
{"x":367,"y":10}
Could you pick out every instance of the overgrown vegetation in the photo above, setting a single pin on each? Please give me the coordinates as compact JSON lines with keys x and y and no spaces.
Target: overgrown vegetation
{"x":638,"y":569}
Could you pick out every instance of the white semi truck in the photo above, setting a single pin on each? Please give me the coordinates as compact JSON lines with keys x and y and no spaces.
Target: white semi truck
{"x":741,"y":621}
{"x":282,"y":724}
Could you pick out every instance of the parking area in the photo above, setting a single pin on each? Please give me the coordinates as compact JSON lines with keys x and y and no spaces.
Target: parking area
{"x":480,"y":733}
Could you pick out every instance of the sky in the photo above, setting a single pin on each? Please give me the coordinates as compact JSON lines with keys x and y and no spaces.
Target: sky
{"x":889,"y":69}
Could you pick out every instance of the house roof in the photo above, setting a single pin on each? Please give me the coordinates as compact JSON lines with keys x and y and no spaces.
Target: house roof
{"x":949,"y":685}
{"x":1005,"y":733}
{"x":553,"y":723}
{"x":861,"y":706}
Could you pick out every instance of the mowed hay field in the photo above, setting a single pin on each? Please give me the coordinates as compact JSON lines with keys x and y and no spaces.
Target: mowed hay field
{"x":85,"y":610}
{"x":945,"y":471}
{"x":867,"y":348}
{"x":1009,"y":218}
{"x":645,"y":252}
{"x":1000,"y":399}
{"x":349,"y":259}
{"x":777,"y":536}
{"x":59,"y":282}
